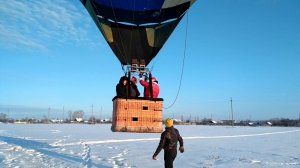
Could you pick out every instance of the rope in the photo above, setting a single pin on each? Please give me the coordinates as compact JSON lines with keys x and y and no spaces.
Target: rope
{"x":95,"y":7}
{"x":122,"y":66}
{"x":131,"y":35}
{"x":183,"y":62}
{"x":118,"y":31}
{"x":173,"y":24}
{"x":153,"y":65}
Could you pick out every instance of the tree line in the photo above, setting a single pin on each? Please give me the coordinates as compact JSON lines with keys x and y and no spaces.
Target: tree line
{"x":282,"y":122}
{"x":78,"y":117}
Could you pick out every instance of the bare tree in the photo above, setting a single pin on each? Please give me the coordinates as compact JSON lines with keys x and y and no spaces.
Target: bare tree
{"x":77,"y":114}
{"x":3,"y":117}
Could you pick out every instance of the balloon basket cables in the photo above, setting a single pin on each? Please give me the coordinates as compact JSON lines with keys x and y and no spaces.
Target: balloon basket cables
{"x":136,"y":68}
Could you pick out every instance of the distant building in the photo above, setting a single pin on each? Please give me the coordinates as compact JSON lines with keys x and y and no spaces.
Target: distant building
{"x":213,"y":122}
{"x":56,"y":121}
{"x":251,"y":124}
{"x":78,"y":119}
{"x":269,"y":123}
{"x":20,"y":122}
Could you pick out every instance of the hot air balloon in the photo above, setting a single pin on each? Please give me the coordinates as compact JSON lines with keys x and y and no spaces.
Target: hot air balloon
{"x":136,"y":30}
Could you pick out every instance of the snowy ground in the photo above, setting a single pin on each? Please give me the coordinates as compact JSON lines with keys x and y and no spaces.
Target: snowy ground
{"x":78,"y":145}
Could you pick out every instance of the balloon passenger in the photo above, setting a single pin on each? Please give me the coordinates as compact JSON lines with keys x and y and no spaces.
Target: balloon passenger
{"x":122,"y":87}
{"x":134,"y":92}
{"x":168,"y":142}
{"x":146,"y":85}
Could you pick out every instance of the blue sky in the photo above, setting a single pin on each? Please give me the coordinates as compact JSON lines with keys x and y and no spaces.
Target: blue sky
{"x":52,"y":55}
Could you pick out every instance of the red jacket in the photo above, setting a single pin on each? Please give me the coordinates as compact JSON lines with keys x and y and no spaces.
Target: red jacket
{"x":147,"y":89}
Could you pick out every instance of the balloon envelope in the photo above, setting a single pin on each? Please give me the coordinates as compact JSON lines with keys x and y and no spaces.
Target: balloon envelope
{"x":136,"y":29}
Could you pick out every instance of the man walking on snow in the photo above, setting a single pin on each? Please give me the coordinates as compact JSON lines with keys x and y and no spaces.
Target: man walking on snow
{"x":168,"y":142}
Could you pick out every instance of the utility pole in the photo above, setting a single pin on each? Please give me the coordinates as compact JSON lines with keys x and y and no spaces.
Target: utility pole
{"x":231,"y":112}
{"x":48,"y":115}
{"x":92,"y":117}
{"x":100,"y":114}
{"x":8,"y":113}
{"x":63,"y":114}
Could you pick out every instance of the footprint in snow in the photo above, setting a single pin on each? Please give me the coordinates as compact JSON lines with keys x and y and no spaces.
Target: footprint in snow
{"x":255,"y":161}
{"x":55,"y":131}
{"x":87,"y":162}
{"x":118,"y":160}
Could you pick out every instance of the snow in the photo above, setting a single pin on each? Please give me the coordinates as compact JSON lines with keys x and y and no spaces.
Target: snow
{"x":86,"y":146}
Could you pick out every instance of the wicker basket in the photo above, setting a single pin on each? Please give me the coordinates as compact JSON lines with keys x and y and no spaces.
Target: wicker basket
{"x":137,"y":115}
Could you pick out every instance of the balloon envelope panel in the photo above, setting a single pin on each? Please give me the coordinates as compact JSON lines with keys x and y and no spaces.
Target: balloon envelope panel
{"x":136,"y":29}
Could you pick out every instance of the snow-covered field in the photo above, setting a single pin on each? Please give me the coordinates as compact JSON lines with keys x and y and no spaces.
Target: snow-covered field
{"x":78,"y":145}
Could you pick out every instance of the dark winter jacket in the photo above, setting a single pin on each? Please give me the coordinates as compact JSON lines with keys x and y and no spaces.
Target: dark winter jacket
{"x":168,"y":140}
{"x":121,"y":89}
{"x":134,"y":92}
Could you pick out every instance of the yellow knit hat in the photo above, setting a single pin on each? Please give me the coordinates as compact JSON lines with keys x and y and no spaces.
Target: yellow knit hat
{"x":169,"y":122}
